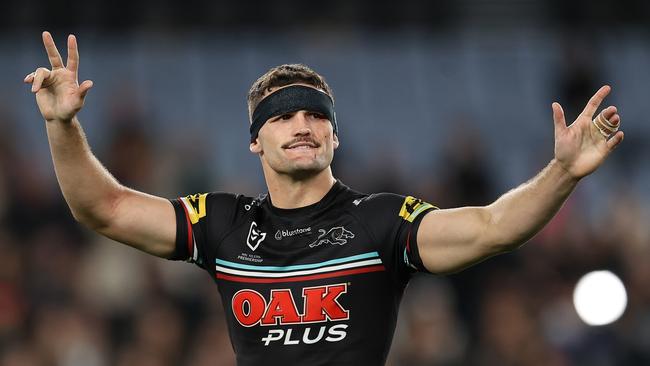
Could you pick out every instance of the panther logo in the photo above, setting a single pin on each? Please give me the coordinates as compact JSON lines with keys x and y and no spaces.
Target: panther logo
{"x":336,"y":235}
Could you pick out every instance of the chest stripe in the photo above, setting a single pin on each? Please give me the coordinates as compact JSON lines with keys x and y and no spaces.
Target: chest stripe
{"x":356,"y":264}
{"x":337,"y":267}
{"x":297,"y":266}
{"x":378,"y":268}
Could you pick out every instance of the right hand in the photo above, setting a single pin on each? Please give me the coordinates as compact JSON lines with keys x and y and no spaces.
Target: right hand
{"x":58,"y":93}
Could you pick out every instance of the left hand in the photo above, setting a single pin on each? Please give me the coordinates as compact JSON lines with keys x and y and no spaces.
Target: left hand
{"x":580,"y":148}
{"x":58,"y":93}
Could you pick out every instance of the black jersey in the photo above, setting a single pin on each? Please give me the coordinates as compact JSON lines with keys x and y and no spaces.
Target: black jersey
{"x":317,"y":285}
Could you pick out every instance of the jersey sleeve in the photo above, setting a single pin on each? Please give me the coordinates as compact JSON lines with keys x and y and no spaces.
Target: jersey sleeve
{"x":201,"y":222}
{"x":393,"y":221}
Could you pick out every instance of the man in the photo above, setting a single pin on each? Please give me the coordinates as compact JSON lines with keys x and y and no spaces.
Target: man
{"x":313,"y":272}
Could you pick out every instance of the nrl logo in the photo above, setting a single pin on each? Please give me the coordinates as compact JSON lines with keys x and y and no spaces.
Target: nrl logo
{"x":255,"y":236}
{"x":336,"y":235}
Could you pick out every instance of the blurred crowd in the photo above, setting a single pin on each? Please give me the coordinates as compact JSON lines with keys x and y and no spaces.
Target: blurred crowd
{"x":379,"y":14}
{"x":69,"y":297}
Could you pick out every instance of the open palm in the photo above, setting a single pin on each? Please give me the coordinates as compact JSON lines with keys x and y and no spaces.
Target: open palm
{"x":58,"y":93}
{"x":580,"y":147}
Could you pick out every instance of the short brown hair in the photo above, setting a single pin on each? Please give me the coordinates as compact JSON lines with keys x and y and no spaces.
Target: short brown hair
{"x":284,"y":75}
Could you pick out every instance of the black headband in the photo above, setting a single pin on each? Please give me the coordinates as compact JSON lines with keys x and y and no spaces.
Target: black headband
{"x":291,"y":99}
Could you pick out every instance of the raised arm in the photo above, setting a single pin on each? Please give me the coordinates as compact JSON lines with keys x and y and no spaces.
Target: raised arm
{"x":450,"y":240}
{"x":95,"y":198}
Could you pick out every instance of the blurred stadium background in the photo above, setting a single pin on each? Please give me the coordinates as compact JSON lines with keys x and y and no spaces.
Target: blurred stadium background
{"x":446,"y":100}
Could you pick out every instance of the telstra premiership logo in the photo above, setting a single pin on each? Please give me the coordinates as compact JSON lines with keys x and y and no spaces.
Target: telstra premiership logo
{"x":255,"y":236}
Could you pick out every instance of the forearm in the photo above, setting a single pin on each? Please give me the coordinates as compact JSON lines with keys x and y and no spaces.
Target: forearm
{"x":522,"y":212}
{"x":89,"y":189}
{"x":449,"y":240}
{"x":95,"y":198}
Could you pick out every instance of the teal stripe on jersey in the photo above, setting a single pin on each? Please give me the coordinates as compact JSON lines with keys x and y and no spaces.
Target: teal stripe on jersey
{"x":297,"y":266}
{"x":425,"y":206}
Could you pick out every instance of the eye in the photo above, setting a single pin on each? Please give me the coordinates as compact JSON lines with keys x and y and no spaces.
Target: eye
{"x":318,"y":115}
{"x":282,"y":117}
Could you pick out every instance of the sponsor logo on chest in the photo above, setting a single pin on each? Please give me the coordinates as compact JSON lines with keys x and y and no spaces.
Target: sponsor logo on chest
{"x":320,"y":304}
{"x":289,"y":233}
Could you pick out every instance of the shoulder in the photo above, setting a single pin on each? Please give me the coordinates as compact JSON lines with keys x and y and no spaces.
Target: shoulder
{"x":379,"y":199}
{"x":376,"y":209}
{"x":216,"y":204}
{"x":202,"y":200}
{"x":381,"y":204}
{"x":378,"y":202}
{"x":364,"y":200}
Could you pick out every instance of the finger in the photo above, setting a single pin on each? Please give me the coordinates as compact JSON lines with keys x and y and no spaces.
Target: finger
{"x":73,"y":54}
{"x":605,"y":117}
{"x":603,"y":127}
{"x":558,"y":116}
{"x":615,"y":140}
{"x":609,"y":112}
{"x":29,"y":78}
{"x":85,"y":87}
{"x":594,"y":102}
{"x":52,"y":53}
{"x":615,"y":120}
{"x":41,"y":75}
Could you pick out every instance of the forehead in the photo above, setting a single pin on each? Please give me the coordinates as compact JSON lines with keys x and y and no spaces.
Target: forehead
{"x":273,"y":89}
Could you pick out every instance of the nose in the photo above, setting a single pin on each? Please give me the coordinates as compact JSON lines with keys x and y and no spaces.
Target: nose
{"x":302,"y":125}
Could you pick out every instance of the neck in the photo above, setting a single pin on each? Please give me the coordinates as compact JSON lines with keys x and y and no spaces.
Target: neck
{"x":289,"y":192}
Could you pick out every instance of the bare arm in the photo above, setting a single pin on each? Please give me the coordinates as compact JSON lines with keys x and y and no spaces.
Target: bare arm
{"x":95,"y":198}
{"x":450,"y":240}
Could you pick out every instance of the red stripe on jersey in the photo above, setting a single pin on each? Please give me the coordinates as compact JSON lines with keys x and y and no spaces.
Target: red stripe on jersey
{"x":190,"y":248}
{"x":408,"y":242}
{"x":301,"y":278}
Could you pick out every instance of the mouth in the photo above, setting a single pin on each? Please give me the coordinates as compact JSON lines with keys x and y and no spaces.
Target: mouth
{"x":301,"y":145}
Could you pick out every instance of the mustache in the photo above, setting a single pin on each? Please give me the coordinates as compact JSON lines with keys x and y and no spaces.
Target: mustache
{"x":308,"y":140}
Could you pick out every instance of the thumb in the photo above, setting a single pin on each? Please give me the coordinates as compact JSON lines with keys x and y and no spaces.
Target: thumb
{"x":615,"y":140}
{"x":85,"y":87}
{"x":558,"y":117}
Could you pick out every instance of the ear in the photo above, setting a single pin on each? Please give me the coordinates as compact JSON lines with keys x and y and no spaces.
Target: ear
{"x":255,"y":147}
{"x":336,"y":141}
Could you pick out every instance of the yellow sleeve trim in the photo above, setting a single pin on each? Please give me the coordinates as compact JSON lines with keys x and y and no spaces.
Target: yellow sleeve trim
{"x":195,"y":205}
{"x":412,"y":207}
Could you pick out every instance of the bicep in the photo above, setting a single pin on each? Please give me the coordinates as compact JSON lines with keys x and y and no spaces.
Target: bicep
{"x":143,"y":221}
{"x":451,"y":239}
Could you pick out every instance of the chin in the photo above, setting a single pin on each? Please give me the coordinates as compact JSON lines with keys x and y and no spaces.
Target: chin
{"x":305,"y":170}
{"x":298,"y":168}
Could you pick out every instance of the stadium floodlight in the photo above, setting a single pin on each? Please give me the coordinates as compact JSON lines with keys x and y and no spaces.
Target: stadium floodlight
{"x":600,"y":298}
